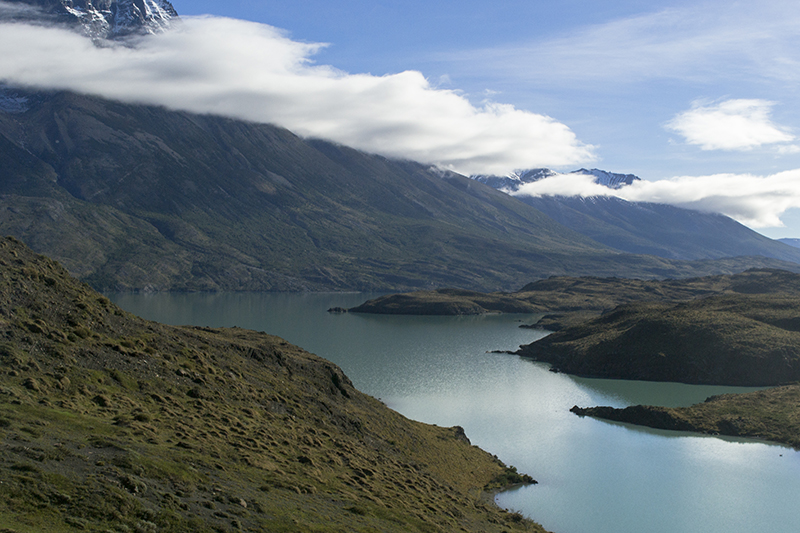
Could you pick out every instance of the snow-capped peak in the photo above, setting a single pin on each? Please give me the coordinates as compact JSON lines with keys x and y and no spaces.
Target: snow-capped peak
{"x":513,"y":180}
{"x":98,"y":19}
{"x":609,"y":179}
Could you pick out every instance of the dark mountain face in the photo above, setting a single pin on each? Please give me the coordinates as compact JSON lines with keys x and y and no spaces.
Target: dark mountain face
{"x":659,"y":229}
{"x":133,"y":197}
{"x":99,"y":19}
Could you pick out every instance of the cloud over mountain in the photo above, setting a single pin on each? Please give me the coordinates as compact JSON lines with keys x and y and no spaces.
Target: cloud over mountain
{"x":256,"y":72}
{"x":756,"y":201}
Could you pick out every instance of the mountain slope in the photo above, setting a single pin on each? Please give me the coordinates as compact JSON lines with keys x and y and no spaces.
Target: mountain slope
{"x":137,"y":197}
{"x":659,"y":229}
{"x":112,"y":423}
{"x":644,"y":227}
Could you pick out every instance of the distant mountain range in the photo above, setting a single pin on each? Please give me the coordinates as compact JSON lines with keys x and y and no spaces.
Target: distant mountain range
{"x":642,"y":227}
{"x":132,"y":197}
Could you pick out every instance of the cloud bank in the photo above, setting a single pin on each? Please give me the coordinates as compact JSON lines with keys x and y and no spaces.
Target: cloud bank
{"x":729,"y":125}
{"x":755,"y":201}
{"x":256,"y":72}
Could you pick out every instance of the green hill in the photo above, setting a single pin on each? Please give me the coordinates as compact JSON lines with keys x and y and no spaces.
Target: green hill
{"x":731,"y":339}
{"x":112,"y":423}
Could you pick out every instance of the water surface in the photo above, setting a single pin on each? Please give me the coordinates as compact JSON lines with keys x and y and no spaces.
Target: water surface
{"x":593,"y":476}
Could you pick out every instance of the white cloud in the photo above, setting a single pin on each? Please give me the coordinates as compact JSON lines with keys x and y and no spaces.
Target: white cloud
{"x":729,"y":125}
{"x":756,"y":201}
{"x":255,"y":72}
{"x":564,"y":185}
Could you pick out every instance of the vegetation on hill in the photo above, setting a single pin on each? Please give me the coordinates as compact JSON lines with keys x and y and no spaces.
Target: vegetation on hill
{"x":730,"y":339}
{"x":112,"y":423}
{"x":772,"y":414}
{"x":586,"y":295}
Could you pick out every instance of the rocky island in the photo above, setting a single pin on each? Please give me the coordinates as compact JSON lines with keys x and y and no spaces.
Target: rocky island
{"x":110,"y":422}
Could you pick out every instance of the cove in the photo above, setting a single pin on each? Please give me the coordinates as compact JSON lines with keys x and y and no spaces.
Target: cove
{"x":594,"y":476}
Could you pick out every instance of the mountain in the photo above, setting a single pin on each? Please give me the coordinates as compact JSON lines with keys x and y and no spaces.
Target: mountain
{"x":99,"y":19}
{"x":132,"y":197}
{"x":643,"y":227}
{"x":791,"y":242}
{"x":109,"y":422}
{"x":135,"y":197}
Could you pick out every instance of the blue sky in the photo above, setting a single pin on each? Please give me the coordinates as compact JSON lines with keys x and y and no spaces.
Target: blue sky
{"x":700,"y":99}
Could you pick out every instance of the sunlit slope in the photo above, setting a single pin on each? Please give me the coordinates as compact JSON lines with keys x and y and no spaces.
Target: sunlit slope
{"x":111,"y":422}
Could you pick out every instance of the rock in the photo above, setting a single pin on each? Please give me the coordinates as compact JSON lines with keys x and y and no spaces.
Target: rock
{"x":32,"y":384}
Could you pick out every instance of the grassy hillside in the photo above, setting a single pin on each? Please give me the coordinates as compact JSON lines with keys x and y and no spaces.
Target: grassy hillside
{"x":136,"y":197}
{"x":772,"y":414}
{"x":731,"y":339}
{"x":112,"y":423}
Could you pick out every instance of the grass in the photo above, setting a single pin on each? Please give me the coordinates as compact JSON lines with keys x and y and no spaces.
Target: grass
{"x":137,"y":426}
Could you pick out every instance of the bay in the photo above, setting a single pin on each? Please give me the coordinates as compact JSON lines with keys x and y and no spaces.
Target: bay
{"x":593,"y":476}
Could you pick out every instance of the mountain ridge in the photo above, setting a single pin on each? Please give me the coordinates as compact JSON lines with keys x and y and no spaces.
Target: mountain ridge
{"x":142,"y":198}
{"x":644,"y":227}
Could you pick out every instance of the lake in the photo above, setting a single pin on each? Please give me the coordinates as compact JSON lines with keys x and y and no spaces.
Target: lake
{"x":594,"y":476}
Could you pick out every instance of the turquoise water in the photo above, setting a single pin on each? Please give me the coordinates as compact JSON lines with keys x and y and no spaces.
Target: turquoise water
{"x":593,"y":476}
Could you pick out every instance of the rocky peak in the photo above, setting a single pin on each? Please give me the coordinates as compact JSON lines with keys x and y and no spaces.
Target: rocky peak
{"x":513,"y":181}
{"x":99,"y":19}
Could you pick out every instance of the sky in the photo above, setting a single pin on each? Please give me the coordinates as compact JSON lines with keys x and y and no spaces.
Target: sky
{"x":699,"y":99}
